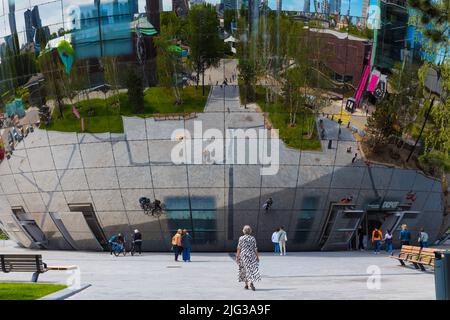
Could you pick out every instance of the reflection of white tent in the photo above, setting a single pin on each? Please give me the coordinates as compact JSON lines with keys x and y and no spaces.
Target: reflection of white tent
{"x":53,"y":43}
{"x":231,"y":40}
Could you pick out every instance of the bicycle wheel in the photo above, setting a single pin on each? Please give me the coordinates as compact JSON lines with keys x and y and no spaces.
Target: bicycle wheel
{"x":116,"y":252}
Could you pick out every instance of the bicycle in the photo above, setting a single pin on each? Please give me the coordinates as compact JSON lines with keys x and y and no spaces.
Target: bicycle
{"x":155,"y":208}
{"x":118,"y":248}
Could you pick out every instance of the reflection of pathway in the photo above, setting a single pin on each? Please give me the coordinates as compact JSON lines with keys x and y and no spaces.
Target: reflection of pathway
{"x":357,"y":119}
{"x":226,"y":68}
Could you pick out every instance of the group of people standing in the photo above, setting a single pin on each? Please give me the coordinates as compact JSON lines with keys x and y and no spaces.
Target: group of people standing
{"x":405,"y":239}
{"x":181,"y":244}
{"x":279,"y":239}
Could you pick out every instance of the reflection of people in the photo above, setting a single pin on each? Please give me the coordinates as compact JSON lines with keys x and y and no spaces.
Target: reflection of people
{"x":247,"y":258}
{"x":268,"y":204}
{"x":157,"y":206}
{"x":347,"y":199}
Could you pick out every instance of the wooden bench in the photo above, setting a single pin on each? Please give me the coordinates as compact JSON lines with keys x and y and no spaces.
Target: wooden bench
{"x":174,"y":116}
{"x":28,"y":263}
{"x":418,"y":257}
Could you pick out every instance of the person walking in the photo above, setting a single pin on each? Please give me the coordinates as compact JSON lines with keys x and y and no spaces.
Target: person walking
{"x":176,"y":244}
{"x":282,"y":239}
{"x":377,"y":235}
{"x":405,"y":235}
{"x":137,"y":241}
{"x":354,"y":158}
{"x":186,"y":244}
{"x":275,"y":241}
{"x":247,"y":258}
{"x":388,"y":241}
{"x":423,"y":238}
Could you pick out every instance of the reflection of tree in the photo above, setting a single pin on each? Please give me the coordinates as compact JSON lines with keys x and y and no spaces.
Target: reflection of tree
{"x":56,"y":80}
{"x":206,"y":47}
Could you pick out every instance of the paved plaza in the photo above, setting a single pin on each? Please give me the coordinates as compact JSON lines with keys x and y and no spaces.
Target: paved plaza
{"x":299,"y":275}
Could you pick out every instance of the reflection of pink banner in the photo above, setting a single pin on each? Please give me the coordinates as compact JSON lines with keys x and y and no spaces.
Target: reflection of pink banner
{"x":75,"y":112}
{"x":373,"y":81}
{"x":82,"y":124}
{"x":363,"y":81}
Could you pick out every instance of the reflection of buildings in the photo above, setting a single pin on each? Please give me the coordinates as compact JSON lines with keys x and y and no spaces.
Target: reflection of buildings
{"x":33,"y":23}
{"x":335,"y":6}
{"x":180,"y":7}
{"x":343,"y":57}
{"x":306,"y":6}
{"x":230,"y":4}
{"x":365,"y":7}
{"x":12,"y":24}
{"x":393,"y":33}
{"x":194,"y":2}
{"x":73,"y":191}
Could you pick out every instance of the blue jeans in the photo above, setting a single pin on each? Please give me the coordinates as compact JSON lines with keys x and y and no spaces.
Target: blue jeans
{"x":186,"y":254}
{"x":276,"y":247}
{"x":376,"y":245}
{"x":389,"y":246}
{"x":424,"y":244}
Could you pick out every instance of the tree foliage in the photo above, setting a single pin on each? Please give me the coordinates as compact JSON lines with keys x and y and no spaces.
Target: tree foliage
{"x":169,"y":65}
{"x":206,"y":47}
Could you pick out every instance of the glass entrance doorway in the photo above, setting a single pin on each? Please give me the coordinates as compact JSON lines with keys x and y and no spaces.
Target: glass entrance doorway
{"x":386,"y":220}
{"x":340,"y":227}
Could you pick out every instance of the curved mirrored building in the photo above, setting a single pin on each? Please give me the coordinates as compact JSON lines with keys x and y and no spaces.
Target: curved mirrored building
{"x":74,"y":190}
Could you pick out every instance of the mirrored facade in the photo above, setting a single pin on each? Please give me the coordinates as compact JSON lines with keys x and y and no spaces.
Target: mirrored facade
{"x":66,"y":185}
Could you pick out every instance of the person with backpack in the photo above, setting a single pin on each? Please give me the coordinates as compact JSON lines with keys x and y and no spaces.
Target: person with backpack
{"x":377,"y":235}
{"x":282,"y":239}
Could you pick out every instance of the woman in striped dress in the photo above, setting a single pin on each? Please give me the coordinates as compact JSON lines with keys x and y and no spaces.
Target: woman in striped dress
{"x":247,"y":258}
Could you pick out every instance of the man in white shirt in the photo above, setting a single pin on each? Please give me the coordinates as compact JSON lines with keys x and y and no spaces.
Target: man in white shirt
{"x":275,"y":241}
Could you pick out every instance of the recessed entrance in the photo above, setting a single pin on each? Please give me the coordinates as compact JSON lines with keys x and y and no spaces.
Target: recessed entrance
{"x":30,"y":227}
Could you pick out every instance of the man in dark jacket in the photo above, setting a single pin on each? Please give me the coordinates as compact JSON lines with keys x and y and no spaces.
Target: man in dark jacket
{"x":137,"y":240}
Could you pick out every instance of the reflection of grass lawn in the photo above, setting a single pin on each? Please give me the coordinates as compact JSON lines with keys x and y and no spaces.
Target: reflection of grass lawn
{"x":108,"y":118}
{"x":27,"y":291}
{"x":294,"y":137}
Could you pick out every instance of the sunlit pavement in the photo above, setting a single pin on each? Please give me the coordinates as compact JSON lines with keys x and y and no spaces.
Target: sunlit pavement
{"x":300,"y":275}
